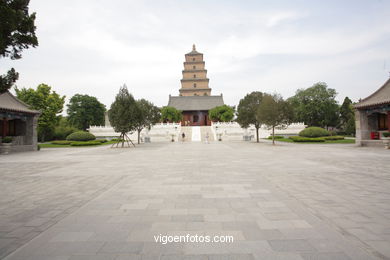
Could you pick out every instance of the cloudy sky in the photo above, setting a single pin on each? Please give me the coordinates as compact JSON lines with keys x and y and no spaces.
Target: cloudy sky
{"x":95,"y":46}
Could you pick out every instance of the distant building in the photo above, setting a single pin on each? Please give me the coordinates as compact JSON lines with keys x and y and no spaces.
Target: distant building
{"x":18,"y":121}
{"x":372,"y":116}
{"x":195,"y":99}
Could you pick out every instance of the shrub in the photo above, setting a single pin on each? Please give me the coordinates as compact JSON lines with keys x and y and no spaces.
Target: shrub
{"x":313,"y":131}
{"x":38,"y":147}
{"x":61,"y":142}
{"x":61,"y":132}
{"x":117,"y":139}
{"x":7,"y":140}
{"x":80,"y":136}
{"x":300,"y":139}
{"x":386,"y":134}
{"x":333,"y":138}
{"x":88,"y":143}
{"x":276,"y":137}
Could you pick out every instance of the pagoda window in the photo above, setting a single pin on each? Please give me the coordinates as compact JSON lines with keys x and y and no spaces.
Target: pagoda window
{"x":193,"y":59}
{"x":205,"y":94}
{"x":194,"y":67}
{"x":194,"y":85}
{"x":194,"y":75}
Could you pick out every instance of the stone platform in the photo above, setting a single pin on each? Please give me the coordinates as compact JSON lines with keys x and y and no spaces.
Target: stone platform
{"x":289,"y":201}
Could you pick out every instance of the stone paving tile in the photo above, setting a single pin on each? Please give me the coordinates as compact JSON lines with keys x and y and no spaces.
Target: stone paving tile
{"x":309,"y":205}
{"x":291,"y":245}
{"x":325,"y":256}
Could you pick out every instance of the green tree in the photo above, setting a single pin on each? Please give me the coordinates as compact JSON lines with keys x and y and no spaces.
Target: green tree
{"x":84,"y":111}
{"x":63,"y":129}
{"x":247,"y":111}
{"x":17,"y":32}
{"x":274,"y":112}
{"x":148,"y":115}
{"x":347,"y":117}
{"x":221,"y":113}
{"x":171,"y":114}
{"x":48,"y":102}
{"x":123,"y":114}
{"x":316,"y":106}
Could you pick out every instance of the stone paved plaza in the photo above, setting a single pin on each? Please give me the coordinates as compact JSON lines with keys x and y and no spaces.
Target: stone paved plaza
{"x":291,"y":201}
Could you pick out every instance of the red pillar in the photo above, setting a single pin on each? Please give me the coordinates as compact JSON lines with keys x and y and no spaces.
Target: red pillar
{"x":5,"y":127}
{"x":388,"y":120}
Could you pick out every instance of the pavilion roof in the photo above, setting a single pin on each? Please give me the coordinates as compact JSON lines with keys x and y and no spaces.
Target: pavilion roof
{"x":378,"y":98}
{"x":194,"y":103}
{"x":11,"y":103}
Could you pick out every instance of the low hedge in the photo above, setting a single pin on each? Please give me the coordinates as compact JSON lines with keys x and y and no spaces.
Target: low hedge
{"x":314,"y":131}
{"x":80,"y":136}
{"x":386,"y":134}
{"x":61,"y":142}
{"x":276,"y":137}
{"x":102,"y":140}
{"x":6,"y":140}
{"x":334,"y":138}
{"x":87,"y":143}
{"x":300,"y":139}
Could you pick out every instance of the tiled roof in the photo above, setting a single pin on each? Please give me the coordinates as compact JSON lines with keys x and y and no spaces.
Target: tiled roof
{"x":379,"y":97}
{"x":11,"y":103}
{"x":193,"y":103}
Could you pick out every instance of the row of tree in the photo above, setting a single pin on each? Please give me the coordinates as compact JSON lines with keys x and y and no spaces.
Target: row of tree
{"x":315,"y":106}
{"x":126,"y":113}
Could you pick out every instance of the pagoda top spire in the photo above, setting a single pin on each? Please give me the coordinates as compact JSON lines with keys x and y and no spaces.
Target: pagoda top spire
{"x":193,"y":47}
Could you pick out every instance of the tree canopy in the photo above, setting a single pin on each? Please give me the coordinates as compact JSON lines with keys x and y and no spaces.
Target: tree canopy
{"x":84,"y":111}
{"x":48,"y":102}
{"x":274,"y":112}
{"x":221,"y":113}
{"x":316,"y":106}
{"x":247,"y":111}
{"x":347,"y":117}
{"x":123,"y":113}
{"x":148,"y":115}
{"x":170,"y":114}
{"x":17,"y":32}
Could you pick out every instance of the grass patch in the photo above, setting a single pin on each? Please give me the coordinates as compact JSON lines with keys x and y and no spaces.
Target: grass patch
{"x":343,"y":141}
{"x":51,"y":145}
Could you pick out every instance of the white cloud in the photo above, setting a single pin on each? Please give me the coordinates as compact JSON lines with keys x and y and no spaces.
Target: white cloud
{"x":93,"y":47}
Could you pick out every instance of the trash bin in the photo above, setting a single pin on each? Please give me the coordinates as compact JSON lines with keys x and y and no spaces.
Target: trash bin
{"x":374,"y":135}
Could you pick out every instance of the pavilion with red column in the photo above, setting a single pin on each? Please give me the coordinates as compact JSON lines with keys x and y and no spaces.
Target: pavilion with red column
{"x":19,"y":122}
{"x":372,"y":116}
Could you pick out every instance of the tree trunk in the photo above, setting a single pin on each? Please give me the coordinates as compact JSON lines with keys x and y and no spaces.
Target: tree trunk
{"x":257,"y":133}
{"x":273,"y":135}
{"x":139,"y":134}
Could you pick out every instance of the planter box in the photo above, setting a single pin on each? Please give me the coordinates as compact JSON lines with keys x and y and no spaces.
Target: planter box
{"x":6,"y":148}
{"x":386,"y":142}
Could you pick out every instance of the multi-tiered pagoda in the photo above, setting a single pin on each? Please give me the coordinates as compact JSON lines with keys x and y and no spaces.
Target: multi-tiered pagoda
{"x":195,"y":98}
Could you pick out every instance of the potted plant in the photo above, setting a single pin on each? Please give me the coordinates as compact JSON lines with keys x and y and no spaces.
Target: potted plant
{"x":386,"y":139}
{"x":6,"y":145}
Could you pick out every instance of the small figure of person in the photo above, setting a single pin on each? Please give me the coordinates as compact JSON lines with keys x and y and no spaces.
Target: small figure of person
{"x":183,"y":136}
{"x":207,"y":137}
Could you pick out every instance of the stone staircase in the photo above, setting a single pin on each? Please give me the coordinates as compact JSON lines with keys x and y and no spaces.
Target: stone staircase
{"x":188,"y":132}
{"x":203,"y":131}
